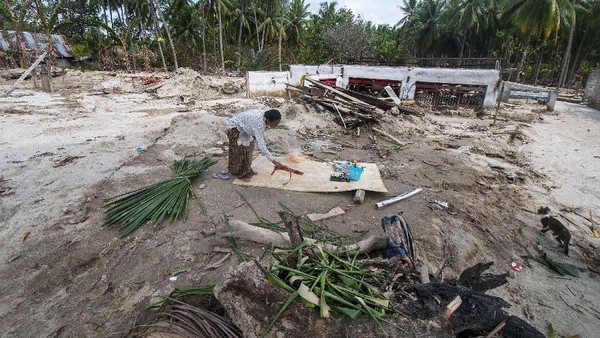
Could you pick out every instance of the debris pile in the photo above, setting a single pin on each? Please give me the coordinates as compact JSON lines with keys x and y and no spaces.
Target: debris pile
{"x":306,"y":283}
{"x":353,"y":109}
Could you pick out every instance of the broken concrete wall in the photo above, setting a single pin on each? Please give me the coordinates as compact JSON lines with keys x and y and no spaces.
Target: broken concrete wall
{"x":592,"y":89}
{"x":480,"y":77}
{"x":521,"y":91}
{"x":410,"y":76}
{"x":380,"y":73}
{"x":266,"y":83}
{"x":273,"y":83}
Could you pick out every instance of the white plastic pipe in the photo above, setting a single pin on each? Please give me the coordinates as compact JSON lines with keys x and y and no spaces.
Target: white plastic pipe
{"x":397,"y":198}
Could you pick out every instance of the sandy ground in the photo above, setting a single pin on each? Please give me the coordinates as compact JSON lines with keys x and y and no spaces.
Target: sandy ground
{"x":63,"y":153}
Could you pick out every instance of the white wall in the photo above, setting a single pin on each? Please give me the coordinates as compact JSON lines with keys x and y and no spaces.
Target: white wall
{"x":266,"y":83}
{"x":297,"y":71}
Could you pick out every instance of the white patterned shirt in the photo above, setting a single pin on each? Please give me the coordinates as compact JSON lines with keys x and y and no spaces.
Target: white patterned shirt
{"x":251,"y":125}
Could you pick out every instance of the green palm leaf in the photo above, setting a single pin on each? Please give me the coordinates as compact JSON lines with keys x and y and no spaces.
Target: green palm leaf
{"x":157,"y":202}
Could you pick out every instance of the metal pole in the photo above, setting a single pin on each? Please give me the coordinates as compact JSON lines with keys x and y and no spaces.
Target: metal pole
{"x":498,"y":105}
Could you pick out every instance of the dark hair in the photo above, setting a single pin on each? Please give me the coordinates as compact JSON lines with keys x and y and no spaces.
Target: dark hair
{"x":272,"y":115}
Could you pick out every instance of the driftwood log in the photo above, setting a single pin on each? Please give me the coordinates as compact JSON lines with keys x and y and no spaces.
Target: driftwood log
{"x":245,"y":231}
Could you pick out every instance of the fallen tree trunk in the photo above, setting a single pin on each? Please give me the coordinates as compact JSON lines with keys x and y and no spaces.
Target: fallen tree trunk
{"x":245,"y":231}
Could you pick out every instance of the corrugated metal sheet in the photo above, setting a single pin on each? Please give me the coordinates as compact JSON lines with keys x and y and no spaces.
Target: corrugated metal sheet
{"x":37,"y":42}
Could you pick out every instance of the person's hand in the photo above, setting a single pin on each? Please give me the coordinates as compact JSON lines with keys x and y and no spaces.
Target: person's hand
{"x":277,"y":164}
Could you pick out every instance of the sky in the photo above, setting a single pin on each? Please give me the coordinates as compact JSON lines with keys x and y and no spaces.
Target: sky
{"x":377,"y":11}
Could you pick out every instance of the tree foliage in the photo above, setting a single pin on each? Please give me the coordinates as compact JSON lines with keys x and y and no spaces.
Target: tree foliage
{"x":549,"y":40}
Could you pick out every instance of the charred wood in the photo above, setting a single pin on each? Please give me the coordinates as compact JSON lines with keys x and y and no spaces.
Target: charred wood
{"x":478,"y":315}
{"x":472,"y":278}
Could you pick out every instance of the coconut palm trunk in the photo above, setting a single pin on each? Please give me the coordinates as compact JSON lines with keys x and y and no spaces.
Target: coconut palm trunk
{"x":168,"y":31}
{"x":523,"y":56}
{"x":239,"y":40}
{"x":157,"y":32}
{"x":565,"y":62}
{"x":280,"y":34}
{"x":221,"y":36}
{"x":256,"y":27}
{"x":204,"y":61}
{"x":264,"y":32}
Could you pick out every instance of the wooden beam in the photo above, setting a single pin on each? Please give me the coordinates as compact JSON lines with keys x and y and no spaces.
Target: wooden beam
{"x":388,"y":136}
{"x":333,"y":90}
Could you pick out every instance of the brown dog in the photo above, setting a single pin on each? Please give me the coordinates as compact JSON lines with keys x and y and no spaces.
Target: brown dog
{"x":560,"y":232}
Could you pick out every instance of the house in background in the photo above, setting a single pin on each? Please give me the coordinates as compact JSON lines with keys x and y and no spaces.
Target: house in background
{"x":33,"y":45}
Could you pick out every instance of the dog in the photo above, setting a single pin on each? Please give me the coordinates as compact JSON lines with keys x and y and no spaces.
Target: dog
{"x":560,"y":232}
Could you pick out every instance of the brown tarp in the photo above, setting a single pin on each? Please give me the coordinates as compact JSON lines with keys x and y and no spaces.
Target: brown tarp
{"x":315,"y":179}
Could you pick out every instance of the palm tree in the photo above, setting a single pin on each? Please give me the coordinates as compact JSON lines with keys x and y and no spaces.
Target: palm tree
{"x":384,"y":43}
{"x":18,"y":21}
{"x":243,"y":24}
{"x":536,"y":19}
{"x":297,"y":16}
{"x":221,"y":36}
{"x":168,"y":31}
{"x":408,"y":22}
{"x":409,"y":7}
{"x":157,"y":32}
{"x":570,"y":12}
{"x":471,"y":16}
{"x":49,"y":24}
{"x":588,"y":28}
{"x":429,"y":25}
{"x":282,"y":24}
{"x":186,"y":22}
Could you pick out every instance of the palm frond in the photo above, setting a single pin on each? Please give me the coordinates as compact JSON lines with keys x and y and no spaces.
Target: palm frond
{"x":159,"y":201}
{"x":178,"y":294}
{"x":185,"y":320}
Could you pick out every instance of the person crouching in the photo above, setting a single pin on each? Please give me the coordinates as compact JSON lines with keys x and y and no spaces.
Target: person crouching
{"x":244,"y":130}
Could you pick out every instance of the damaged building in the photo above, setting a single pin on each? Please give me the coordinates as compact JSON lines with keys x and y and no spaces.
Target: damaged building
{"x":451,"y":87}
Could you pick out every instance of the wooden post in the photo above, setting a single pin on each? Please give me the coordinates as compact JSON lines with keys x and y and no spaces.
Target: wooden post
{"x":27,"y":72}
{"x":498,"y":106}
{"x":46,"y":77}
{"x":34,"y":78}
{"x":293,"y":228}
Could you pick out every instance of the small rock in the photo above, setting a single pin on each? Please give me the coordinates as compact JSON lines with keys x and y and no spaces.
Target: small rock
{"x":359,"y":196}
{"x":202,"y":186}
